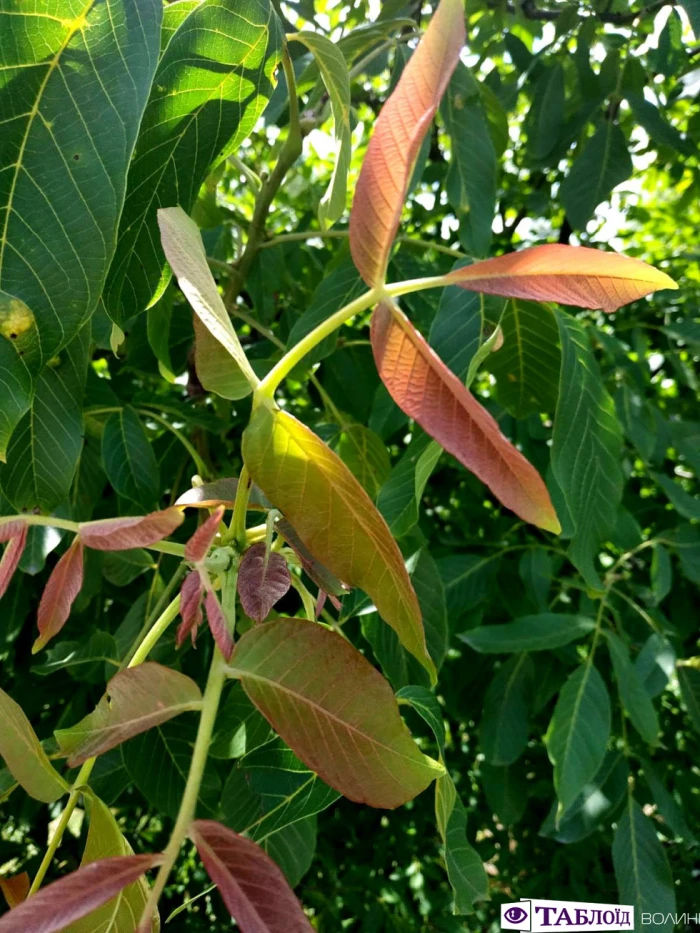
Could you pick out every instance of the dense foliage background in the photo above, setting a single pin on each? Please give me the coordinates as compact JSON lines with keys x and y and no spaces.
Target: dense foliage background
{"x":560,"y":105}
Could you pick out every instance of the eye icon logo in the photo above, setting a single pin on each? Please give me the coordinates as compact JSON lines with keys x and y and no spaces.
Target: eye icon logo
{"x":516,"y":916}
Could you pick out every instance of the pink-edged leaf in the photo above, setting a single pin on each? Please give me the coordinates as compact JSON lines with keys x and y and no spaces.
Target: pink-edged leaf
{"x":217,"y":624}
{"x":403,"y":122}
{"x":15,"y":889}
{"x":59,"y":594}
{"x":426,"y":390}
{"x":59,"y":904}
{"x":570,"y":275}
{"x":12,"y":556}
{"x":11,"y":529}
{"x":201,"y":541}
{"x":121,"y":534}
{"x":334,"y":709}
{"x":191,"y":593}
{"x":261,"y":584}
{"x":256,"y":893}
{"x":136,"y":700}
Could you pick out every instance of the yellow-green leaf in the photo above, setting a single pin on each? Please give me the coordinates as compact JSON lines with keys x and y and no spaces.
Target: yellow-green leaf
{"x":335,"y":518}
{"x":23,"y":755}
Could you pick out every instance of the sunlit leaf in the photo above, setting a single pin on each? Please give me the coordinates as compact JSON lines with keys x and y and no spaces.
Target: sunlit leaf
{"x":603,"y":164}
{"x":398,"y":133}
{"x":334,"y":709}
{"x":423,"y":387}
{"x":334,"y":518}
{"x":23,"y":755}
{"x":54,"y":907}
{"x":121,"y":534}
{"x":59,"y":594}
{"x":254,"y":889}
{"x":136,"y":700}
{"x":571,"y":275}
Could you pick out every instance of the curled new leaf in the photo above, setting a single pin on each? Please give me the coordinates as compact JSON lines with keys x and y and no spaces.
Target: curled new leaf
{"x":333,"y":709}
{"x":570,"y":275}
{"x":13,"y":552}
{"x":199,"y":544}
{"x":423,"y":387}
{"x":253,"y":888}
{"x":392,"y":151}
{"x":217,"y":623}
{"x":136,"y":700}
{"x":78,"y":894}
{"x":122,"y":534}
{"x":59,"y":594}
{"x":191,"y":593}
{"x":335,"y":518}
{"x":263,"y":579}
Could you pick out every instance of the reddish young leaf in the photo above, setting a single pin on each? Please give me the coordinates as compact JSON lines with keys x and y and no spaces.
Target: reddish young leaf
{"x":217,"y":624}
{"x":191,"y":593}
{"x":59,"y":904}
{"x":424,"y":388}
{"x":59,"y":594}
{"x":201,"y":541}
{"x":398,"y":133}
{"x":121,"y":534}
{"x":570,"y":275}
{"x":260,"y":586}
{"x":13,"y":554}
{"x":333,"y":709}
{"x":15,"y":889}
{"x":255,"y":891}
{"x":315,"y":570}
{"x":11,"y":529}
{"x":136,"y":700}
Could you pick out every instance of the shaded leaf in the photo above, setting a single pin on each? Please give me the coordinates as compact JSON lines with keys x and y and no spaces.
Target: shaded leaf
{"x":129,"y":460}
{"x":216,"y":370}
{"x":423,"y":387}
{"x":334,"y":518}
{"x":52,"y":908}
{"x":689,"y":682}
{"x":635,"y":698}
{"x":572,"y":275}
{"x":293,"y":849}
{"x":334,"y":709}
{"x":59,"y":594}
{"x":141,"y":697}
{"x":212,"y":83}
{"x":23,"y":755}
{"x":263,"y":579}
{"x":668,"y":808}
{"x":364,"y":453}
{"x":122,"y":534}
{"x":221,"y":492}
{"x":529,"y":633}
{"x":254,"y":889}
{"x":504,"y":728}
{"x":603,"y":164}
{"x":578,"y":733}
{"x":398,"y":133}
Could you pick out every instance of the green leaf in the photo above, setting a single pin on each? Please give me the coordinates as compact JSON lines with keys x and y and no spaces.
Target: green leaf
{"x":401,"y":495}
{"x":239,"y":727}
{"x":105,"y":840}
{"x":159,"y":317}
{"x":345,"y":723}
{"x":530,"y":633}
{"x":293,"y":848}
{"x":635,"y":698}
{"x":546,"y":118}
{"x":129,"y":460}
{"x":212,"y":83}
{"x":686,"y":505}
{"x":668,"y":808}
{"x":158,"y":762}
{"x":68,"y":136}
{"x":527,"y":365}
{"x":641,"y":868}
{"x":661,"y":131}
{"x":184,"y":249}
{"x":536,"y":571}
{"x":472,"y":177}
{"x":334,"y":71}
{"x":578,"y":734}
{"x":426,"y":705}
{"x":504,"y":728}
{"x":216,"y":369}
{"x":92,"y":661}
{"x":689,"y":682}
{"x":603,"y":165}
{"x":23,"y":755}
{"x":506,"y":791}
{"x":656,"y":664}
{"x":122,"y":567}
{"x":364,"y":453}
{"x":692,"y":8}
{"x":661,"y":573}
{"x":272,"y":789}
{"x":43,"y":454}
{"x":174,"y":15}
{"x":596,"y":803}
{"x":137,"y":699}
{"x":430,"y":591}
{"x":457,"y":330}
{"x":586,"y":448}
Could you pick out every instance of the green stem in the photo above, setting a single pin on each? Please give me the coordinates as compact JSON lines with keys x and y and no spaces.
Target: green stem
{"x":161,"y":624}
{"x":302,"y":235}
{"x":240,"y":508}
{"x":154,"y":617}
{"x":269,"y":384}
